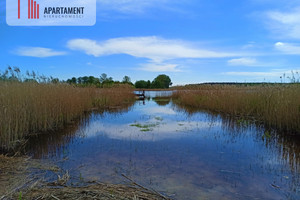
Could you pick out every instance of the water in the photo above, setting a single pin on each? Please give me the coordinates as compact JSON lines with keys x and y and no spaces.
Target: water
{"x":181,"y":154}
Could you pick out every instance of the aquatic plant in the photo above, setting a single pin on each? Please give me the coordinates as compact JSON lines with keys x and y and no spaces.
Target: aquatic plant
{"x":275,"y":105}
{"x":159,"y":118}
{"x":31,"y":107}
{"x":146,"y":127}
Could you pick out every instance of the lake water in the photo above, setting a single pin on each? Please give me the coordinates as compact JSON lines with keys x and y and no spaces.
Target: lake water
{"x":183,"y":155}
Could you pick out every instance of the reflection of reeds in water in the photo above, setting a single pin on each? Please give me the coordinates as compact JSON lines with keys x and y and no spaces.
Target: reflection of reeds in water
{"x":28,"y":108}
{"x":286,"y":146}
{"x":277,"y":106}
{"x":162,"y":100}
{"x":55,"y":143}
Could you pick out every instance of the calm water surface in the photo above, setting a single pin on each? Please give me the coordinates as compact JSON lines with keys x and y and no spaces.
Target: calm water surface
{"x":180,"y":154}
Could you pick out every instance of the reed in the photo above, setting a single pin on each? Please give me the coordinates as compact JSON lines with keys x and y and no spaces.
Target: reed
{"x":29,"y":107}
{"x":113,"y":97}
{"x":276,"y":105}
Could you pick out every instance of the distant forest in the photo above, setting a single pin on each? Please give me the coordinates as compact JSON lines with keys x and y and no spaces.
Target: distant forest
{"x":160,"y":82}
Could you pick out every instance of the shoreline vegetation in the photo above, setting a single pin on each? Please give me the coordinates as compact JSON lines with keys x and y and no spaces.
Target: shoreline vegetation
{"x":34,"y":104}
{"x":39,"y":104}
{"x":277,"y":106}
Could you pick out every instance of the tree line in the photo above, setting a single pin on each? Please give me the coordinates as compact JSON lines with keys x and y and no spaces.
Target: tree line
{"x":160,"y":82}
{"x":102,"y":81}
{"x":14,"y":74}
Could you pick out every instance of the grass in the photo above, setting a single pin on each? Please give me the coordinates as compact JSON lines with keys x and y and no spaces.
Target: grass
{"x":276,"y":105}
{"x":30,"y":107}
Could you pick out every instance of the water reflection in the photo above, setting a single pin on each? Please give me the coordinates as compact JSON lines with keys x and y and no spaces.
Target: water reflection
{"x":153,"y":94}
{"x":180,"y":152}
{"x":151,"y":128}
{"x":162,"y":101}
{"x":287,"y":145}
{"x":54,"y":143}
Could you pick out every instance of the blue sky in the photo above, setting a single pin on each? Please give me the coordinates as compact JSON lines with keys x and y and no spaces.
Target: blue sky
{"x":192,"y":41}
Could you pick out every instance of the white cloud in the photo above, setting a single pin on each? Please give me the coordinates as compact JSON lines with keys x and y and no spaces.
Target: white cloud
{"x":156,"y":50}
{"x":288,"y":48}
{"x":159,"y":110}
{"x":157,"y":67}
{"x":250,"y":45}
{"x":286,"y":24}
{"x":243,"y":62}
{"x":153,"y":48}
{"x":38,"y":52}
{"x":251,"y":62}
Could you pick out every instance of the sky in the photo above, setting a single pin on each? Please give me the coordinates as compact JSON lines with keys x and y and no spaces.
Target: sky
{"x":192,"y":41}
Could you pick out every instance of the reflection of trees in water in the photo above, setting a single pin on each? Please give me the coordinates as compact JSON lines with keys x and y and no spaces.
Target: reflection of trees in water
{"x":162,"y":101}
{"x":55,"y":143}
{"x":286,"y":145}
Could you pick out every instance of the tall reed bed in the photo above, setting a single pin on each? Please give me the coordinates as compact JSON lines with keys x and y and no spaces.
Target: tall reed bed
{"x":113,"y":97}
{"x":277,"y":106}
{"x":29,"y":107}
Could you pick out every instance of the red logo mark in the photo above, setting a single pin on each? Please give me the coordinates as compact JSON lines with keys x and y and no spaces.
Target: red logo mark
{"x":33,"y":9}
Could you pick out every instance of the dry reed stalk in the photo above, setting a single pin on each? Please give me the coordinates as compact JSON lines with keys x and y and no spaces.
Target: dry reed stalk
{"x":32,"y":108}
{"x":276,"y":105}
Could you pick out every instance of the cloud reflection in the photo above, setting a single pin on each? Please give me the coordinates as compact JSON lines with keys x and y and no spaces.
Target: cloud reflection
{"x":158,"y":130}
{"x":159,"y":110}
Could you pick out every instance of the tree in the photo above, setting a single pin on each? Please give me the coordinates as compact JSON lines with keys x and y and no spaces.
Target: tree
{"x":93,"y":80}
{"x":140,"y":84}
{"x":161,"y":81}
{"x":104,"y":80}
{"x":126,"y":79}
{"x":85,"y":80}
{"x":103,"y":77}
{"x":73,"y":80}
{"x":54,"y":80}
{"x":148,"y":84}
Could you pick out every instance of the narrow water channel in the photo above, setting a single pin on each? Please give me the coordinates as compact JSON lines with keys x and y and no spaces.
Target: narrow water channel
{"x":184,"y":155}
